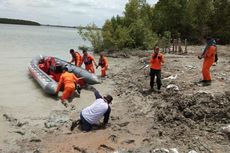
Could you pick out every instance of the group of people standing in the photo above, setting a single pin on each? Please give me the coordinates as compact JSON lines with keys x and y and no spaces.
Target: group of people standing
{"x":100,"y":107}
{"x":89,"y":60}
{"x":209,"y":55}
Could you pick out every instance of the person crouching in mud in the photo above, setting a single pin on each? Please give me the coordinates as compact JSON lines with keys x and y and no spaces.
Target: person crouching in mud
{"x":69,"y":80}
{"x":155,"y":68}
{"x":92,"y":114}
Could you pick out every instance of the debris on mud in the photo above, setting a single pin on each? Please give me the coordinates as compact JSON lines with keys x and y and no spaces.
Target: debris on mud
{"x":14,"y":121}
{"x":57,"y":118}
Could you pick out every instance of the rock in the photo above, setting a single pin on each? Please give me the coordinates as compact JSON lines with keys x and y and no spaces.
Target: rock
{"x":113,"y":138}
{"x":9,"y":118}
{"x":105,"y":147}
{"x":20,"y":132}
{"x":36,"y":151}
{"x":14,"y":121}
{"x":160,"y":133}
{"x":173,"y":150}
{"x":20,"y":124}
{"x":146,"y":140}
{"x":226,"y":129}
{"x":82,"y":150}
{"x":187,"y":113}
{"x":190,"y":67}
{"x":161,"y":150}
{"x":123,"y":124}
{"x":35,"y":139}
{"x":172,"y":77}
{"x":128,"y":141}
{"x":192,"y":151}
{"x":172,"y":87}
{"x":57,"y":118}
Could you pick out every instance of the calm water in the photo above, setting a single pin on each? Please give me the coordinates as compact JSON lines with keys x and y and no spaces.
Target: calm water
{"x":18,"y":45}
{"x":20,"y":96}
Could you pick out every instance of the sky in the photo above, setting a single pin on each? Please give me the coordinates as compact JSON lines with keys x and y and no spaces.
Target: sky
{"x":64,"y":12}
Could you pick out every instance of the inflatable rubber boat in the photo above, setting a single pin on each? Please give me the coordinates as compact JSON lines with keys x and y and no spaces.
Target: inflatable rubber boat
{"x":46,"y":70}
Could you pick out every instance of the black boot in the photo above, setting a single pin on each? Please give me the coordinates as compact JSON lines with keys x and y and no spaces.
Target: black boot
{"x":206,"y":83}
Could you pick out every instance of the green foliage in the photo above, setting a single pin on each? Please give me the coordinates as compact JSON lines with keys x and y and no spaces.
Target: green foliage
{"x":83,"y":48}
{"x":131,"y":31}
{"x":164,"y":41}
{"x":92,"y":34}
{"x":193,"y":19}
{"x":220,"y":20}
{"x":143,"y":26}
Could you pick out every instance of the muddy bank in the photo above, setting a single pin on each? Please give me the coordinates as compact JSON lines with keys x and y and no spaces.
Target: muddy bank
{"x":186,"y":118}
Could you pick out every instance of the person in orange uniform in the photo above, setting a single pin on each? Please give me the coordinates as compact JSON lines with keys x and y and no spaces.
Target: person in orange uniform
{"x":69,"y":80}
{"x":103,"y":62}
{"x":88,"y":60}
{"x":155,"y":68}
{"x":76,"y":57}
{"x":209,"y":58}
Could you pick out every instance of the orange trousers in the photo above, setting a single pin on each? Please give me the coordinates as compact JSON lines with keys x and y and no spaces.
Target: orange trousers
{"x":206,"y":70}
{"x":68,"y":92}
{"x":103,"y":71}
{"x":90,"y":68}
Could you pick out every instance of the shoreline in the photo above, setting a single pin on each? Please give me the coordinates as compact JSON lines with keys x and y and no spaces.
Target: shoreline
{"x":142,"y":120}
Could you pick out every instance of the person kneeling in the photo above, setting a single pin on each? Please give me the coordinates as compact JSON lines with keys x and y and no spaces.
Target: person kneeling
{"x":92,"y":114}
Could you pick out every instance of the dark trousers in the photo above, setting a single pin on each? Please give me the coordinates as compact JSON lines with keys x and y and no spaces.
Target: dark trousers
{"x":156,"y":73}
{"x":85,"y":126}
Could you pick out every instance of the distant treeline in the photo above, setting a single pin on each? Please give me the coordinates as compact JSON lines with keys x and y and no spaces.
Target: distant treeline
{"x":17,"y":21}
{"x":143,"y":25}
{"x":77,"y":27}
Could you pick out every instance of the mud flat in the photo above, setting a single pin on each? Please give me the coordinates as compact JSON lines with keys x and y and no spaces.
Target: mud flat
{"x":184,"y":117}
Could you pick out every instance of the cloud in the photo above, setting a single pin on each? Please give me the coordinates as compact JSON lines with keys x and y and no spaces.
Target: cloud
{"x":81,"y":4}
{"x":64,"y":12}
{"x":40,"y":4}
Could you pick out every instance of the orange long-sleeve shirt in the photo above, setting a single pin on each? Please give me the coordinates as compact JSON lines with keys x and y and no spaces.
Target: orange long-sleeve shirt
{"x":77,"y":59}
{"x":156,"y":62}
{"x":210,"y":54}
{"x":103,"y":62}
{"x":88,"y":59}
{"x":68,"y":79}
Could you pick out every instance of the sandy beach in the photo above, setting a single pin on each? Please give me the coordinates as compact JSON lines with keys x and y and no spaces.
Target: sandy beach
{"x":141,"y":121}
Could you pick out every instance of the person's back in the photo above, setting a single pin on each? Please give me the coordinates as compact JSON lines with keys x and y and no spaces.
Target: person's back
{"x":93,"y":113}
{"x":68,"y":79}
{"x":210,"y":53}
{"x":76,"y":57}
{"x":96,"y":111}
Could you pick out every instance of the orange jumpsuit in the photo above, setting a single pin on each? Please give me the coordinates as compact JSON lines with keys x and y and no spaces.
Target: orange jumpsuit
{"x":209,"y":59}
{"x":69,"y":80}
{"x":88,"y":61}
{"x":103,"y":62}
{"x":77,"y":59}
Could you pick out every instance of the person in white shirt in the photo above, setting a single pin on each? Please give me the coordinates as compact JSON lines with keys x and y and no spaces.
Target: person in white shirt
{"x":93,"y":113}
